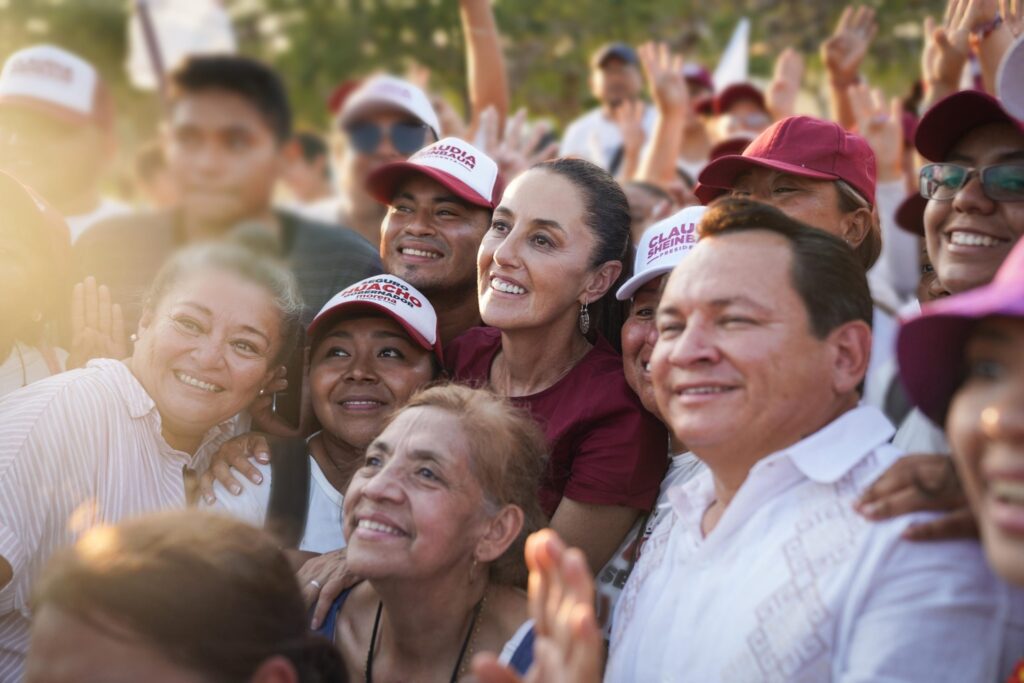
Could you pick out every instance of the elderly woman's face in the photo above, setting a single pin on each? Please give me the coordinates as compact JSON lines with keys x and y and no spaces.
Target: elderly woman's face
{"x":206,"y":350}
{"x":415,"y":509}
{"x":986,"y":430}
{"x":535,"y":261}
{"x":361,"y":371}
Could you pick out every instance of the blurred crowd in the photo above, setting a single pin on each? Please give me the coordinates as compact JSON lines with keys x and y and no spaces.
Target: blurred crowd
{"x":704,"y":387}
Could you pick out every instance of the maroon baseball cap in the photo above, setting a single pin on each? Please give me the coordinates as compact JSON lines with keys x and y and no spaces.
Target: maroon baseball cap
{"x":738,"y":92}
{"x":729,"y":147}
{"x":930,"y":347}
{"x":955,"y":116}
{"x":800,"y":145}
{"x":699,"y":76}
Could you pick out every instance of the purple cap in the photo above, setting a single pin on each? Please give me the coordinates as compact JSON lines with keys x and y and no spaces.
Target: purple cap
{"x":738,"y":92}
{"x":955,"y":116}
{"x":930,"y":347}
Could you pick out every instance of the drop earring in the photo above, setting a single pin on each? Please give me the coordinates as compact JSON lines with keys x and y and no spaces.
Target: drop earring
{"x":584,"y":321}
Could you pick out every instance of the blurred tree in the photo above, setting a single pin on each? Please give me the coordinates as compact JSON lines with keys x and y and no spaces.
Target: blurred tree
{"x":318,"y":43}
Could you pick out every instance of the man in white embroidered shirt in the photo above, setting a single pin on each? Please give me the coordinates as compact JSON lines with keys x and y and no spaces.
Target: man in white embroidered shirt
{"x":763,"y":571}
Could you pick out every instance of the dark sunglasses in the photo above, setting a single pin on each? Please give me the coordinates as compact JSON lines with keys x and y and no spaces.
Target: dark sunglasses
{"x":406,"y":138}
{"x":1000,"y":182}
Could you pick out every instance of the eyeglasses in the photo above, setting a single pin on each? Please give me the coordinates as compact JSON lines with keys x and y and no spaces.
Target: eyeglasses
{"x":406,"y":138}
{"x":1000,"y":182}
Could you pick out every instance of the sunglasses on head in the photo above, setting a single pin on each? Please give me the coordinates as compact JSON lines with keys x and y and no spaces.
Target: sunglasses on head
{"x":999,"y":182}
{"x":406,"y":137}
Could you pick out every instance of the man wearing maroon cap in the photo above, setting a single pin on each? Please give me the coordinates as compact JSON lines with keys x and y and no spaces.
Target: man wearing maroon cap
{"x":439,"y":207}
{"x":813,"y":171}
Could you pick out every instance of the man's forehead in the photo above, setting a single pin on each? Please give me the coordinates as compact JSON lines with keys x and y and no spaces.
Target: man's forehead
{"x":743,"y":263}
{"x":216,"y":109}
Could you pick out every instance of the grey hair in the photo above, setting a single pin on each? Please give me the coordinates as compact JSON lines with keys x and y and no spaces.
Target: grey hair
{"x":238,"y":260}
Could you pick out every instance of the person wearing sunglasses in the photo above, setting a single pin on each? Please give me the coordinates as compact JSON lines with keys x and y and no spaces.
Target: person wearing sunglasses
{"x":974,"y":187}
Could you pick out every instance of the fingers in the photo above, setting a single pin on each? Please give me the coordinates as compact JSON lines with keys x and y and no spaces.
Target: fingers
{"x":844,"y":20}
{"x":896,"y":111}
{"x":514,"y":129}
{"x":960,"y":523}
{"x":91,"y":303}
{"x":328,"y":594}
{"x":103,"y":309}
{"x":78,"y":307}
{"x":489,"y":129}
{"x":486,"y":669}
{"x":117,"y":331}
{"x":222,"y":473}
{"x":893,"y":479}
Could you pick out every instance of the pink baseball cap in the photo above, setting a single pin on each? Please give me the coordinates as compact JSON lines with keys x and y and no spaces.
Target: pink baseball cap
{"x":393,"y":92}
{"x":57,"y":83}
{"x":800,"y":145}
{"x":955,"y":116}
{"x":737,"y":92}
{"x":662,"y":247}
{"x":392,"y":296}
{"x":459,"y":166}
{"x":930,"y":347}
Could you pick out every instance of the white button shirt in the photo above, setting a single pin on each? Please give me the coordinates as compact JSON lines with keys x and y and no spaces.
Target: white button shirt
{"x":793,"y":585}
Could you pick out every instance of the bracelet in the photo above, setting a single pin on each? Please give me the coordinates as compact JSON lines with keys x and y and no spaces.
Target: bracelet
{"x":988,"y":28}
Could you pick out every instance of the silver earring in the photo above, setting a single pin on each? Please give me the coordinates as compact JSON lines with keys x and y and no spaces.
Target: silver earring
{"x":133,"y":338}
{"x":584,"y":321}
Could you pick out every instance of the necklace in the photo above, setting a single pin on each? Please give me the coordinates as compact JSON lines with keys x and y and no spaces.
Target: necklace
{"x":470,"y":636}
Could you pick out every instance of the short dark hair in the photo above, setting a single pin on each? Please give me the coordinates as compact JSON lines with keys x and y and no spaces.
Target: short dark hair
{"x":606,"y":213}
{"x":248,"y":78}
{"x":310,"y":144}
{"x":826,"y":273}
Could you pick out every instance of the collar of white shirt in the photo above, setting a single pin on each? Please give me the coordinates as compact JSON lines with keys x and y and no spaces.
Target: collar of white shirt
{"x":824,"y":457}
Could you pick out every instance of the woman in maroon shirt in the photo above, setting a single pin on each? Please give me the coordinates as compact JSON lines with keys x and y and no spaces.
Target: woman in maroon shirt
{"x":546,"y":269}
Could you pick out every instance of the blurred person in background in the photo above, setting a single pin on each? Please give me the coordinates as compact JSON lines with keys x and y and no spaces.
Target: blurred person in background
{"x":120,"y":438}
{"x":616,"y":83}
{"x":154,"y":181}
{"x":387,"y":119}
{"x":228,"y":125}
{"x":307,"y":169}
{"x":57,"y":132}
{"x":35,"y":257}
{"x":174,"y":597}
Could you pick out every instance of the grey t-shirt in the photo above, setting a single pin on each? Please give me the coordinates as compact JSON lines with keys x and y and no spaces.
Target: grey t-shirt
{"x":126,"y":252}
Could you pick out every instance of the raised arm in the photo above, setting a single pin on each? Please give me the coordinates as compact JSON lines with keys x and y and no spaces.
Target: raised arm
{"x":485,"y":63}
{"x":843,"y":53}
{"x":665,"y":80}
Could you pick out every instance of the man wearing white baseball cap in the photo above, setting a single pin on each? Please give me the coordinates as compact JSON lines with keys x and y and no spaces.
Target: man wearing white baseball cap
{"x":56,"y":132}
{"x":659,"y":251}
{"x":439,"y":207}
{"x":383,"y":120}
{"x":371,"y":347}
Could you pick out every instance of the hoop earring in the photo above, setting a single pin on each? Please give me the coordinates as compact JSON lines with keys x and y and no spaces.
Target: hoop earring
{"x":584,"y":320}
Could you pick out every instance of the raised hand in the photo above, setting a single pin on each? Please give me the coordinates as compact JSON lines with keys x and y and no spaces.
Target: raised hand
{"x":665,"y":79}
{"x":1012,"y":12}
{"x":785,"y":87}
{"x":97,"y":325}
{"x":881,"y":124}
{"x":568,"y":647}
{"x":844,"y":51}
{"x":517,"y":148}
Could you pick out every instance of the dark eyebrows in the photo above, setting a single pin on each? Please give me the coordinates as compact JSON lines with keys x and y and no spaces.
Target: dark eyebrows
{"x":740,"y":300}
{"x":986,"y":333}
{"x":548,"y":223}
{"x":1009,"y":155}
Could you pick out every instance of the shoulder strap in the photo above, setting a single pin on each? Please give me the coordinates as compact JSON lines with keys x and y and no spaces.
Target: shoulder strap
{"x":289,"y":489}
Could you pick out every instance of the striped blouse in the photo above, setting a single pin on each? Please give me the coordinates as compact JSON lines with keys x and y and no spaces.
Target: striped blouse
{"x":77,"y":450}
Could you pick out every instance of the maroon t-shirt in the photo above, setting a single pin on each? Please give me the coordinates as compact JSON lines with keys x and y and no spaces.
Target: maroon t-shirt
{"x":605,"y":448}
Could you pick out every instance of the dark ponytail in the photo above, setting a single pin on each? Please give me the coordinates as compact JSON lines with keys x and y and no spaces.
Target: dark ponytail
{"x":607,"y":215}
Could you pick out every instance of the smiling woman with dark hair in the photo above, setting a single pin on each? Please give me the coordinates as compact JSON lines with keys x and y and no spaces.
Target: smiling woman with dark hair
{"x":546,"y":271}
{"x":117,"y":438}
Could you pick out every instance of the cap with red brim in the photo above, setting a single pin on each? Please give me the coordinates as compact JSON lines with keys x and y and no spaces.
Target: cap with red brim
{"x":953,"y":117}
{"x":457,"y":165}
{"x":910,"y":213}
{"x":930,"y":347}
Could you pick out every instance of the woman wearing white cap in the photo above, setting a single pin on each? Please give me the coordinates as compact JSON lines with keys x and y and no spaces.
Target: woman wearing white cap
{"x":371,"y":346}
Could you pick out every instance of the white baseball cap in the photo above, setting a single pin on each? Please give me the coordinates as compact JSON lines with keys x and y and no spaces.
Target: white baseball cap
{"x":456,"y":164}
{"x":392,"y":296}
{"x":56,"y":82}
{"x":662,"y":247}
{"x":395,"y":92}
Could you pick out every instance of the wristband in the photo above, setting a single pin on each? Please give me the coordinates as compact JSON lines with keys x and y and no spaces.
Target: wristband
{"x":982,"y":32}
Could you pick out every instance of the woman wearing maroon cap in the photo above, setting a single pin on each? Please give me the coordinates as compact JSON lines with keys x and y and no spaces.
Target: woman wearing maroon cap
{"x":546,"y":270}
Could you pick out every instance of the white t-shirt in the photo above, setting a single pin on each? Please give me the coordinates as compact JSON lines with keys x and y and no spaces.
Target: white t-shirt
{"x":793,"y":585}
{"x":324,"y":530}
{"x":327,"y":210}
{"x":26,"y":365}
{"x":596,"y":138}
{"x":107,"y":208}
